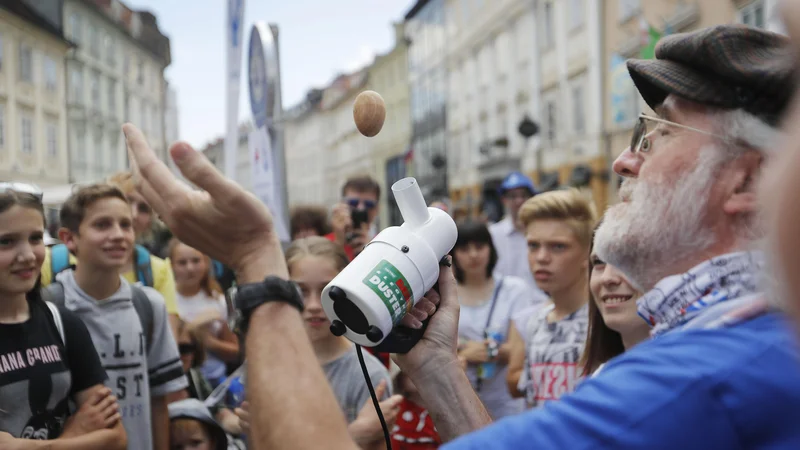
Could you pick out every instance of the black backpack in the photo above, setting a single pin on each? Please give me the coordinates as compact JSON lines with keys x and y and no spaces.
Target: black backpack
{"x":54,"y":293}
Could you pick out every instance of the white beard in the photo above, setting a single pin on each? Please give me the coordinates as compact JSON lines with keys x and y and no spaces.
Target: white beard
{"x":660,"y":225}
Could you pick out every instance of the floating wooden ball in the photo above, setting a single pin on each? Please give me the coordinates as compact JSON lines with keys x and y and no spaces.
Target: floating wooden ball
{"x":369,"y":112}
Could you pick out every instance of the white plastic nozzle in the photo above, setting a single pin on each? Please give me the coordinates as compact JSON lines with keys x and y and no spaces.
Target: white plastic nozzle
{"x":411,"y":202}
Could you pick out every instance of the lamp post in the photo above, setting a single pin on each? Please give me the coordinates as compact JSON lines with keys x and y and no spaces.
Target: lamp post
{"x":528,"y":128}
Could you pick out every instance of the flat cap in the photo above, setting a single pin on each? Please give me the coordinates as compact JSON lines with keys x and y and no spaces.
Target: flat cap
{"x":725,"y":66}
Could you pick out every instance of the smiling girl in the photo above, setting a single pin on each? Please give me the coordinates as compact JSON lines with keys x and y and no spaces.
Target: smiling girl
{"x":46,"y":354}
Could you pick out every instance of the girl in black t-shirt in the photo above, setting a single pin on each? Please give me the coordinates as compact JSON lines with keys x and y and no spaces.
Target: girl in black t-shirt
{"x":47,"y":358}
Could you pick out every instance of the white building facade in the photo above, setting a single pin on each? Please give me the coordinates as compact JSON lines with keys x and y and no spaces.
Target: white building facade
{"x":115,"y":75}
{"x":33,"y":125}
{"x":305,"y":153}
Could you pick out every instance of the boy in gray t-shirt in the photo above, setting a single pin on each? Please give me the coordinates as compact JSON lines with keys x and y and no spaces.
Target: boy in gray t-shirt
{"x":143,"y":366}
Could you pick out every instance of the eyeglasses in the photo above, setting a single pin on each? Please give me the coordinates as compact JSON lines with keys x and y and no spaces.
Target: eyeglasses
{"x":25,"y":188}
{"x":639,"y":140}
{"x":355,"y":202}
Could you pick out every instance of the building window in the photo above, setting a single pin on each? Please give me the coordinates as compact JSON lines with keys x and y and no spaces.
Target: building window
{"x":114,"y":151}
{"x":80,"y":146}
{"x":50,"y":74}
{"x":578,"y":110}
{"x":140,"y":72}
{"x":2,"y":52}
{"x":112,"y":97}
{"x":26,"y":134}
{"x":52,"y":139}
{"x":111,"y":56}
{"x":75,"y":27}
{"x":549,"y":38}
{"x":98,"y":148}
{"x":628,"y":9}
{"x":95,"y":89}
{"x":3,"y":126}
{"x":753,"y":14}
{"x":576,"y":11}
{"x":25,"y":63}
{"x":551,"y":122}
{"x":94,"y":40}
{"x":76,"y":85}
{"x":143,"y":112}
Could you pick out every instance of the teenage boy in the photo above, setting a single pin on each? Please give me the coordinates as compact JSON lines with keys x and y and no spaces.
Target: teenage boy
{"x":558,"y":228}
{"x":128,"y":324}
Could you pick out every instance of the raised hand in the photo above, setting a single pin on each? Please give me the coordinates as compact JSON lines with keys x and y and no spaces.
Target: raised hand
{"x":223,"y":220}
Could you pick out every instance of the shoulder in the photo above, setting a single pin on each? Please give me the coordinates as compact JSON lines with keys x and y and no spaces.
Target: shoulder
{"x":152,"y":294}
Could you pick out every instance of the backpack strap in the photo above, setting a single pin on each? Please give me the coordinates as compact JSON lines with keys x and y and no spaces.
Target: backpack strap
{"x":144,"y":309}
{"x":59,"y":259}
{"x":58,"y":321}
{"x":144,"y":270}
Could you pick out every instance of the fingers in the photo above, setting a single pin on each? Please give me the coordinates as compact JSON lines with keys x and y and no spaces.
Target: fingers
{"x":98,"y":396}
{"x":380,"y":389}
{"x":447,"y":288}
{"x":391,"y":407}
{"x":108,"y":406}
{"x":243,"y":413}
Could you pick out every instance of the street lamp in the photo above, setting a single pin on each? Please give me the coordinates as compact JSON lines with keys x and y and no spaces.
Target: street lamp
{"x":528,"y":128}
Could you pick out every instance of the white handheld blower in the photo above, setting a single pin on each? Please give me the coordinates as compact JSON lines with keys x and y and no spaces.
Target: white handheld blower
{"x":370,"y":296}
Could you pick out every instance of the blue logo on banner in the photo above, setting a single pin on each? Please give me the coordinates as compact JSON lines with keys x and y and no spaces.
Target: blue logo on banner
{"x":257,"y":78}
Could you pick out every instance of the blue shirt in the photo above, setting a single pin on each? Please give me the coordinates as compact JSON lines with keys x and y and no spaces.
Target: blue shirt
{"x":724,"y":388}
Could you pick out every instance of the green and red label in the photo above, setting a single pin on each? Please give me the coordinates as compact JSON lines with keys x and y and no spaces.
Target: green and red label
{"x":392,"y":288}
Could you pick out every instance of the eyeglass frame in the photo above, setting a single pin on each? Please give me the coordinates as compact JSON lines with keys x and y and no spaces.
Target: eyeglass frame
{"x":639,"y":135}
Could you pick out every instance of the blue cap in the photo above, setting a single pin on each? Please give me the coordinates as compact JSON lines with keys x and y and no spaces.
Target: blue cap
{"x":516,"y":180}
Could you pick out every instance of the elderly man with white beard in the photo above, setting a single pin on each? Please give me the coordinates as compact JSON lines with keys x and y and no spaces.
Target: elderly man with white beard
{"x":723,"y":369}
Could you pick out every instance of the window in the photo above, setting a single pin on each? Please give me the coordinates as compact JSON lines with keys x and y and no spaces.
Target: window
{"x":549,"y":38}
{"x":94,"y":85}
{"x":578,"y":110}
{"x":50,"y":74}
{"x":111,"y":56}
{"x":576,"y":11}
{"x":80,"y":145}
{"x":26,"y":134}
{"x":76,"y":85}
{"x":75,"y":27}
{"x":114,"y":151}
{"x":52,"y":139}
{"x":628,"y":9}
{"x":2,"y":52}
{"x":98,"y":148}
{"x":2,"y":126}
{"x":94,"y":40}
{"x":25,"y":63}
{"x":112,"y":97}
{"x":140,"y":72}
{"x":143,"y":112}
{"x":551,"y":122}
{"x":753,"y":14}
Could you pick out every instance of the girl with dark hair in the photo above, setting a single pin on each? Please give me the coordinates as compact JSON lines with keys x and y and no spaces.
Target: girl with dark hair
{"x":47,"y":356}
{"x":614,"y":323}
{"x":487,"y":305}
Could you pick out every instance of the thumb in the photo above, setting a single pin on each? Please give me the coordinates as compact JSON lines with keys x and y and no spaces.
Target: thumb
{"x":380,"y":389}
{"x":198,"y":169}
{"x":447,"y":287}
{"x":392,"y":402}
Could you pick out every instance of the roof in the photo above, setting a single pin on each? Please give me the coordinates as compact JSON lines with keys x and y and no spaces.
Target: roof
{"x":28,"y":14}
{"x":416,"y":8}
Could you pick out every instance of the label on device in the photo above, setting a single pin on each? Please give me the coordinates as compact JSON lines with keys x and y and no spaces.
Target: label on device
{"x":392,"y":288}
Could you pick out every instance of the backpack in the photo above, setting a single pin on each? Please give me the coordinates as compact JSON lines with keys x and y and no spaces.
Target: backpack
{"x":59,"y":262}
{"x":54,"y":296}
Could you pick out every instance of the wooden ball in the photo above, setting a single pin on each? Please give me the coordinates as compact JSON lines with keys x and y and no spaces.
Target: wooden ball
{"x":369,"y":112}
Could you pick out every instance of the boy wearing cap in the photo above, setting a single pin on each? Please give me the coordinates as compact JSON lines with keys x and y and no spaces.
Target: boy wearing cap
{"x":508,"y":235}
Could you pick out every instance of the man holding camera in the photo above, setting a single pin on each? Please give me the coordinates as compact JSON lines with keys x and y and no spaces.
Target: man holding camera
{"x":353,"y":219}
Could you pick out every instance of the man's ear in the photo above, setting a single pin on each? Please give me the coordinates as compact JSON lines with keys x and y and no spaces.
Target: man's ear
{"x":66,"y":236}
{"x":742,"y":198}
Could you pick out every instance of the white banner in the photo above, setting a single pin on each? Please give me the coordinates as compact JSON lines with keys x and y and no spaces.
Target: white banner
{"x":265,"y":183}
{"x":233,"y":36}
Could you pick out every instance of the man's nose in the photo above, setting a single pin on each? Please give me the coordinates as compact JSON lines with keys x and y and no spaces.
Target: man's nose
{"x":627,"y":164}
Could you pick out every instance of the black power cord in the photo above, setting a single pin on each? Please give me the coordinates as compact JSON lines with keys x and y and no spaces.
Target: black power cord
{"x":374,"y":398}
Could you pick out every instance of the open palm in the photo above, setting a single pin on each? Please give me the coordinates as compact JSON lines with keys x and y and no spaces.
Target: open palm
{"x":222,"y":220}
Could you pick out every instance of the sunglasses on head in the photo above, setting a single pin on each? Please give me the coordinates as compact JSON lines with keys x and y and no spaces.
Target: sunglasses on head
{"x":355,"y":202}
{"x":24,"y":188}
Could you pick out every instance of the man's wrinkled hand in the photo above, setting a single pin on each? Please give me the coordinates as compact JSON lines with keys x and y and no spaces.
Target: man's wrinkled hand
{"x":222,"y":220}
